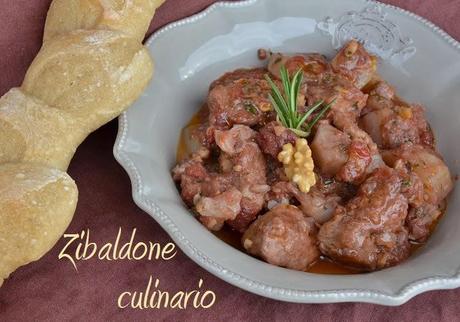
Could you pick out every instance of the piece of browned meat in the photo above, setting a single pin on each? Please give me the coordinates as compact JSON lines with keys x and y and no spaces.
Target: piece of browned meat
{"x":426,"y":183}
{"x":281,"y":192}
{"x":391,"y":127}
{"x":411,"y":185}
{"x":420,"y":221}
{"x":275,"y":171}
{"x":332,"y":186}
{"x":329,"y":148}
{"x":318,"y":205}
{"x":349,"y":155}
{"x":383,"y":90}
{"x":315,"y":204}
{"x":363,"y":156}
{"x":428,"y":166}
{"x":238,"y":101}
{"x":381,"y":95}
{"x":391,"y":122}
{"x":314,"y":67}
{"x":214,"y":211}
{"x":369,"y":231}
{"x":273,"y":136}
{"x":243,"y":159}
{"x":236,"y":193}
{"x":359,"y":158}
{"x":195,"y":180}
{"x":283,"y":237}
{"x":355,"y":63}
{"x":348,"y":100}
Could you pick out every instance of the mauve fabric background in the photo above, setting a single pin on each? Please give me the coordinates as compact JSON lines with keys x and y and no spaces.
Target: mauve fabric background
{"x":52,"y":290}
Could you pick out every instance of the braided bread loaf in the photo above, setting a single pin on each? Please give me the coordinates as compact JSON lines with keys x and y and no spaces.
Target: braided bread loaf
{"x":91,"y":67}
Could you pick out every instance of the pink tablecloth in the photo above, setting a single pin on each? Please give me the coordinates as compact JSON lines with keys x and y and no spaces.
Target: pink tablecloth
{"x":52,"y":290}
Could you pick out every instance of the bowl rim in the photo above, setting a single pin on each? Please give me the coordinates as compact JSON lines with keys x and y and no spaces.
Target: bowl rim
{"x":405,"y":293}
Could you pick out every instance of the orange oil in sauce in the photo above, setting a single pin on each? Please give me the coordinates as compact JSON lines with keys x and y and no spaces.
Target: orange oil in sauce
{"x":233,"y":238}
{"x":181,"y":151}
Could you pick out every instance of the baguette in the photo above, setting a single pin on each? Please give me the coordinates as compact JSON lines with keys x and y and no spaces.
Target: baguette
{"x":34,"y":132}
{"x":131,"y":17}
{"x":37,"y":204}
{"x":91,"y":67}
{"x":92,"y":74}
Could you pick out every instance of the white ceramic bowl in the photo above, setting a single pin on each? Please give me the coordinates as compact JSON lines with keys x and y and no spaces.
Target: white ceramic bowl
{"x":190,"y":53}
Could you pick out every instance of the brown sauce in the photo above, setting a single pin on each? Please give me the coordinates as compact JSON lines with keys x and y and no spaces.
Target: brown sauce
{"x":233,"y":238}
{"x":181,"y":152}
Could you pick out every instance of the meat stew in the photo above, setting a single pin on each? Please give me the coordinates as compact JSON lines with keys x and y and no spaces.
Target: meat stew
{"x":379,"y":184}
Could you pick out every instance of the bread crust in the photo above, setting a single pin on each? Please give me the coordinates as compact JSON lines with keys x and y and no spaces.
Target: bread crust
{"x":128,"y":16}
{"x":92,"y":74}
{"x":35,"y":132}
{"x":37,"y":204}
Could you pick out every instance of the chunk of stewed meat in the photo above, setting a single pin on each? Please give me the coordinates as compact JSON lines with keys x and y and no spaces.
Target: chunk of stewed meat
{"x":349,"y":155}
{"x":355,"y":63}
{"x":235,"y":193}
{"x":392,"y":127}
{"x":376,"y":103}
{"x":363,"y":156}
{"x":275,"y":171}
{"x":428,"y":166}
{"x":216,"y":210}
{"x":283,"y":237}
{"x":369,"y":231}
{"x":242,"y":101}
{"x":332,"y":186}
{"x":233,"y":141}
{"x":420,"y":221}
{"x":398,"y":130}
{"x":425,"y":132}
{"x":314,"y":67}
{"x":315,"y":204}
{"x":383,"y":90}
{"x":245,"y":162}
{"x":212,"y":194}
{"x":273,"y":136}
{"x":381,"y":96}
{"x":373,"y":122}
{"x":411,"y":184}
{"x":359,"y":158}
{"x":330,"y":149}
{"x":318,"y":205}
{"x":191,"y":174}
{"x":347,"y":100}
{"x":281,"y":192}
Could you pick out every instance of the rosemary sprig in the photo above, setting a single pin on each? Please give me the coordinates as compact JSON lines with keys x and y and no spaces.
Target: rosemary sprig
{"x":286,"y":105}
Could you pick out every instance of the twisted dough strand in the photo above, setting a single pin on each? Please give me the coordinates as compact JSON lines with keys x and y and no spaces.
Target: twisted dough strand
{"x":128,"y":16}
{"x":91,"y":67}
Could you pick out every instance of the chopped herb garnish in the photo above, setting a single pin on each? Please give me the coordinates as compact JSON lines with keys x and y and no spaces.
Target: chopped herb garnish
{"x":406,"y":183}
{"x":327,"y":78}
{"x":328,"y":181}
{"x":251,"y":108}
{"x":286,"y":105}
{"x":343,"y":147}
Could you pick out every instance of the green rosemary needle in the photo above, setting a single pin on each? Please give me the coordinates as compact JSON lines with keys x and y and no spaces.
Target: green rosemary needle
{"x":286,"y":105}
